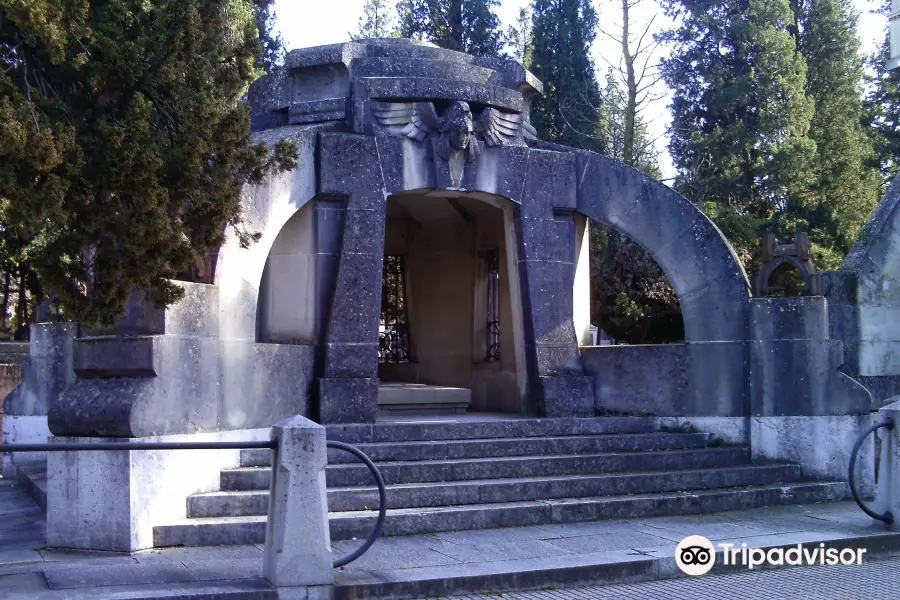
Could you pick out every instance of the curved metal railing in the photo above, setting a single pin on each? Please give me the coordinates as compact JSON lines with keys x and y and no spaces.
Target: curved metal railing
{"x":887,"y":516}
{"x":382,"y":497}
{"x":268,"y":444}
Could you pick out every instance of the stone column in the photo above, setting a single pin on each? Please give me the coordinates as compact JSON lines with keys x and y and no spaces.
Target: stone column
{"x":298,"y":542}
{"x":348,"y":390}
{"x":546,"y":231}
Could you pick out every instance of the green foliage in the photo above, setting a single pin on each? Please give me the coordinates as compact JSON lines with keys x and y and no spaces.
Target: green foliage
{"x":520,"y":37}
{"x":882,"y":109}
{"x":570,"y":110}
{"x":123,"y":148}
{"x":630,"y":297}
{"x":846,"y":188}
{"x":463,"y":25}
{"x":272,"y":43}
{"x":766,"y":120}
{"x":377,"y":21}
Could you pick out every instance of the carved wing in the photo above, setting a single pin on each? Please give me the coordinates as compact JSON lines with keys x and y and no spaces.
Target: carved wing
{"x":499,"y":128}
{"x":415,"y":120}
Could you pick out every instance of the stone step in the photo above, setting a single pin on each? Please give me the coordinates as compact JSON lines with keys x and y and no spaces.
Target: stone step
{"x":481,"y":429}
{"x":451,"y":449}
{"x":409,"y":521}
{"x":248,"y":503}
{"x":259,"y":478}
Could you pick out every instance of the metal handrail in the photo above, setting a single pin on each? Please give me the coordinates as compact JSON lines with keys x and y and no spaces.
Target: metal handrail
{"x":887,"y":516}
{"x":82,"y":446}
{"x":263,"y":444}
{"x":382,"y":497}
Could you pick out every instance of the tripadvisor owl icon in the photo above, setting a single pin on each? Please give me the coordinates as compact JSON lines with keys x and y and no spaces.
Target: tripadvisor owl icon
{"x":695,"y":555}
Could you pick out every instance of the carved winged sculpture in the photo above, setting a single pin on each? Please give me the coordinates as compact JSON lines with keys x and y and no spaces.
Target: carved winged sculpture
{"x":455,"y":129}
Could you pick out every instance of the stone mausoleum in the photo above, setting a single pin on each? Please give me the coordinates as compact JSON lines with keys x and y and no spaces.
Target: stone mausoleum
{"x":428,"y":260}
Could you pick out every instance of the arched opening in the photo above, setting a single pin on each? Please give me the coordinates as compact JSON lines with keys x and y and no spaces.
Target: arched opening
{"x":632,"y":301}
{"x":289,"y":309}
{"x":447,"y":336}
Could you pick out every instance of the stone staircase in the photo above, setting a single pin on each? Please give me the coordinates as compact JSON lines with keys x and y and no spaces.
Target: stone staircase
{"x":502,"y":473}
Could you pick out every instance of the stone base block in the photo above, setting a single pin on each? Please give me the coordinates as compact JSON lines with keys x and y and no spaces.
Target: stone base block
{"x":821,"y":445}
{"x":398,"y":397}
{"x":19,"y":429}
{"x":567,"y":396}
{"x":350,"y":400}
{"x":110,"y":500}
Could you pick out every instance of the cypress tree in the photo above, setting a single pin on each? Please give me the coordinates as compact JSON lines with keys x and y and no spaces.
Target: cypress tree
{"x":464,"y":25}
{"x":741,"y":116}
{"x":570,"y":110}
{"x":882,"y":109}
{"x":123,"y":147}
{"x":845,"y":188}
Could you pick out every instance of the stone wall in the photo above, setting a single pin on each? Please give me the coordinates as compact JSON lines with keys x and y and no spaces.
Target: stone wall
{"x":864,"y":299}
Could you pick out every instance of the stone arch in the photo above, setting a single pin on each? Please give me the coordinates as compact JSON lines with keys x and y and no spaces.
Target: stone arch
{"x":267,"y":209}
{"x":713,"y":290}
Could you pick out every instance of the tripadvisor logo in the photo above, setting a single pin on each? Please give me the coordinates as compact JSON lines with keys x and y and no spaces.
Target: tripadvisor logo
{"x":696,"y":555}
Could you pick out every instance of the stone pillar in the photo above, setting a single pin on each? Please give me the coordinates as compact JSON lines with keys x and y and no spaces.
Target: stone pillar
{"x":546,"y":231}
{"x":348,"y":390}
{"x":46,"y":372}
{"x":803,"y":409}
{"x":298,"y":542}
{"x":887,"y":495}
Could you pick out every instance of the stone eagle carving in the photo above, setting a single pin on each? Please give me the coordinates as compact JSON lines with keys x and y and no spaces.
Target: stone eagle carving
{"x":455,"y":129}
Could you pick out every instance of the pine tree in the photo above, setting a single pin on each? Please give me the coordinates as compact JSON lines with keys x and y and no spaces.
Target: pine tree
{"x":882,"y":109}
{"x":846,"y":187}
{"x":521,"y":37}
{"x":569,"y":112}
{"x":377,"y":21}
{"x":464,"y":25}
{"x":741,"y":116}
{"x":123,"y":148}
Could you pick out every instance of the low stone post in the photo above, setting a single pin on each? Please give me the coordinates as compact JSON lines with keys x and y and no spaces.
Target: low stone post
{"x":887,"y":496}
{"x":298,"y":543}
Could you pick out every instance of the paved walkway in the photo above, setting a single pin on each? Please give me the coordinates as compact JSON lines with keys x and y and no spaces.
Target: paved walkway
{"x":876,"y":580}
{"x":568,"y":556}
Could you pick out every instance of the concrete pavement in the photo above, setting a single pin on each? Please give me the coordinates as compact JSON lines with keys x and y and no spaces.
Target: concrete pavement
{"x":637,"y":552}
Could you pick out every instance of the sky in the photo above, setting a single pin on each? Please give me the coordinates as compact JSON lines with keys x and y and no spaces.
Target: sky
{"x":305,"y":23}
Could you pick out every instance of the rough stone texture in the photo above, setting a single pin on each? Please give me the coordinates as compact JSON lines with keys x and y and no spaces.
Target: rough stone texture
{"x":46,"y":372}
{"x":567,"y":396}
{"x":348,"y":400}
{"x":201,"y":384}
{"x":819,"y":444}
{"x":867,"y":290}
{"x":193,"y":316}
{"x":110,"y":500}
{"x":694,"y":379}
{"x":298,"y":544}
{"x":795,"y":364}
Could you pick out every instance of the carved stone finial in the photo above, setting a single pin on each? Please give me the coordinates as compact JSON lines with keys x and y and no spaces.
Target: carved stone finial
{"x":781,"y":259}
